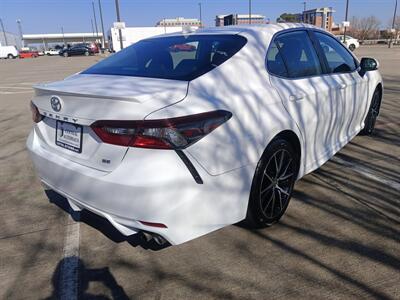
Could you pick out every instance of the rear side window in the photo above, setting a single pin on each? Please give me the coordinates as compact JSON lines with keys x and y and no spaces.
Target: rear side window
{"x":177,"y":57}
{"x":297,"y":53}
{"x":338,"y":58}
{"x":275,"y":62}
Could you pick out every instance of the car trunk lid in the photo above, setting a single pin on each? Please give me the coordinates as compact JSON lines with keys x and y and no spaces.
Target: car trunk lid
{"x":81,"y":100}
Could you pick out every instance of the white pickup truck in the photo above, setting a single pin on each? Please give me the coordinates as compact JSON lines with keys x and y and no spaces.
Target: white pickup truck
{"x":8,"y":52}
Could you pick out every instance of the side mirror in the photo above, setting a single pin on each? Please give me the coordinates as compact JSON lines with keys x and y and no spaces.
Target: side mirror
{"x":368,"y":64}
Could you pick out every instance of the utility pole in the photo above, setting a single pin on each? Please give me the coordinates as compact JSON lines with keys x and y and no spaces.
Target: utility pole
{"x":95,"y":21}
{"x":91,"y":21}
{"x":102,"y":25}
{"x":249,"y":11}
{"x":345,"y":27}
{"x":4,"y":32}
{"x":119,"y":20}
{"x":201,"y":21}
{"x":393,"y":23}
{"x":20,"y":33}
{"x":304,"y":5}
{"x":62,"y":31}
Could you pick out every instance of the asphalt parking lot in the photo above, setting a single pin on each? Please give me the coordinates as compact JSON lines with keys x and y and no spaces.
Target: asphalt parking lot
{"x":340,"y":237}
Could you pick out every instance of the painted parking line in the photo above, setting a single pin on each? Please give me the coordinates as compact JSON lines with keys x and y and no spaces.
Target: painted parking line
{"x":14,"y":92}
{"x":69,"y":277}
{"x":15,"y":87}
{"x":367,"y":172}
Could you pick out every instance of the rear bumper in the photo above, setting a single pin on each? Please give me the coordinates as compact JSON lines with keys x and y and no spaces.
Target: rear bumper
{"x":149,"y":185}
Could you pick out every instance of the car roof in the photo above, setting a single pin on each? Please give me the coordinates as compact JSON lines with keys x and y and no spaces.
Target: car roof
{"x":241,"y":29}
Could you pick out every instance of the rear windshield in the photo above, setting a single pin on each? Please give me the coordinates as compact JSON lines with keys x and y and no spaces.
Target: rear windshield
{"x":177,"y":57}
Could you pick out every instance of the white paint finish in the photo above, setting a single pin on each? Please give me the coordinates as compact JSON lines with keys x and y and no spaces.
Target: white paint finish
{"x":69,"y":276}
{"x":155,"y":185}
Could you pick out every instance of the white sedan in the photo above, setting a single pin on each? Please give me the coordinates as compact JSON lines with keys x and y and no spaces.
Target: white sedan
{"x":181,"y":143}
{"x":51,"y":52}
{"x":350,"y":42}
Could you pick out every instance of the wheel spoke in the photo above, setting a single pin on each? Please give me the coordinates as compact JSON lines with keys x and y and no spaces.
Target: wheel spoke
{"x":269,"y":201}
{"x":287,"y":167}
{"x":266,"y":175}
{"x":276,"y":165}
{"x":266,"y":189}
{"x":280,"y":199}
{"x":282,"y":190}
{"x":285,"y":177}
{"x":273,"y":204}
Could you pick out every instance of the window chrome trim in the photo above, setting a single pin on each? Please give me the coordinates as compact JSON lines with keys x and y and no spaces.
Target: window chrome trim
{"x":308,"y":30}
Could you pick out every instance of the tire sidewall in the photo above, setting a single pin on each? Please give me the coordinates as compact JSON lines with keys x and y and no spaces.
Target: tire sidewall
{"x":254,"y":214}
{"x":368,"y":126}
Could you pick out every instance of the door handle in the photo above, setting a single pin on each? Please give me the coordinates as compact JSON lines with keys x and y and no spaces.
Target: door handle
{"x":342,"y":86}
{"x":296,"y":97}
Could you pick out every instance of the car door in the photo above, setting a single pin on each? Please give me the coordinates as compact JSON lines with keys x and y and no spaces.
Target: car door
{"x":310,"y":97}
{"x":343,"y":68}
{"x":74,"y":50}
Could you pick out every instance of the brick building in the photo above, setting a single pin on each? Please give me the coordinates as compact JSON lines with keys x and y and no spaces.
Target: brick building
{"x":320,"y":17}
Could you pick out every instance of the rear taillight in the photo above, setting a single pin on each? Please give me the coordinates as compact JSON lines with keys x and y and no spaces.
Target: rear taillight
{"x":36,"y":116}
{"x":174,"y":133}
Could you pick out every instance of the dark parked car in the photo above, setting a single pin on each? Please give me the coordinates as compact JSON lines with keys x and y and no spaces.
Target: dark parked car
{"x":78,"y":49}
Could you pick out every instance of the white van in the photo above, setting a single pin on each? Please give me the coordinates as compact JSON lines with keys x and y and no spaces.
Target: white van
{"x":8,"y":52}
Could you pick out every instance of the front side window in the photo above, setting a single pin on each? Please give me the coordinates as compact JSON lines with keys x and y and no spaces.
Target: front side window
{"x":297,"y":53}
{"x":338,"y":58}
{"x":177,"y":57}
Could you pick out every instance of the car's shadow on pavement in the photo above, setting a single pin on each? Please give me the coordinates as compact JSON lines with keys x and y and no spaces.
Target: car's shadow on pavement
{"x":103,"y":225}
{"x":64,"y":288}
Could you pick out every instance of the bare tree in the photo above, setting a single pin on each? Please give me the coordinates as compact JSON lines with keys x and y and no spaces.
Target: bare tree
{"x":364,"y":28}
{"x":396,"y":26}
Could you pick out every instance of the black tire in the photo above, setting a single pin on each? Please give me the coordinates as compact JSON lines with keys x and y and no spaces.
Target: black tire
{"x":65,"y":54}
{"x":268,"y":201}
{"x":10,"y":56}
{"x":373,"y":113}
{"x":352,"y":47}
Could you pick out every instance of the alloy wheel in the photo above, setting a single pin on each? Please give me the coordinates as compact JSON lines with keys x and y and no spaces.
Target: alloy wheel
{"x":276,"y":183}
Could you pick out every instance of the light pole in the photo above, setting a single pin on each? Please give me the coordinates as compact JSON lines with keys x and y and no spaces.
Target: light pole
{"x":102,"y":25}
{"x":345,"y":27}
{"x":393,"y":29}
{"x":20,"y":33}
{"x":95,"y":21}
{"x":201,"y":21}
{"x":91,"y":21}
{"x":62,"y":31}
{"x":304,"y":5}
{"x":249,"y":11}
{"x":4,"y":32}
{"x":119,"y":20}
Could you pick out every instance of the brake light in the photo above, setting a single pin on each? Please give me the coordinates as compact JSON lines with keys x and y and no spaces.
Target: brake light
{"x":36,"y":116}
{"x":174,"y":133}
{"x":159,"y":225}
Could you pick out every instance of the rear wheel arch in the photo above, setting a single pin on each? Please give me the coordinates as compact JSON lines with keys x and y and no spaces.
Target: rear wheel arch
{"x":284,"y":142}
{"x":292,"y":138}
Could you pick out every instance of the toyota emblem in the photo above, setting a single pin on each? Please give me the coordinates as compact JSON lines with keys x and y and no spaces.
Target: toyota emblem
{"x":55,"y":103}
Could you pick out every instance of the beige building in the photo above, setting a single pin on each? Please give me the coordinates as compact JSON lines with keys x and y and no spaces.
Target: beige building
{"x":179,"y":21}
